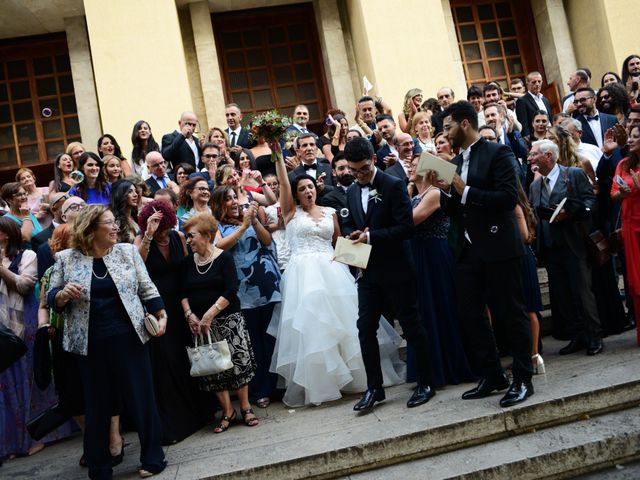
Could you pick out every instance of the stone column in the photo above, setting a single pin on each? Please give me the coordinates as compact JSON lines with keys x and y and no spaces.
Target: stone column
{"x":83,"y":81}
{"x":334,"y":53}
{"x":207,"y":55}
{"x":555,"y":41}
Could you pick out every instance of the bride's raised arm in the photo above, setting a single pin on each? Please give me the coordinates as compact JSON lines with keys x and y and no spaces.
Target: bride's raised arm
{"x":287,"y":205}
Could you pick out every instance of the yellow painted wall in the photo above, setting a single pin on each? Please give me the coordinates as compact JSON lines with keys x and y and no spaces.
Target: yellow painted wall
{"x":603,"y":34}
{"x":139,"y":66}
{"x":399,"y":48}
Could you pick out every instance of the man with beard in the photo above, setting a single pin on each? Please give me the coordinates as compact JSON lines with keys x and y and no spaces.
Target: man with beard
{"x":482,"y":200}
{"x":594,"y":123}
{"x":337,"y":197}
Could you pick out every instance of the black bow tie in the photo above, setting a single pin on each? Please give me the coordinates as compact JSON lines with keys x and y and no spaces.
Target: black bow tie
{"x":595,"y":117}
{"x":313,"y":166}
{"x":365,"y":185}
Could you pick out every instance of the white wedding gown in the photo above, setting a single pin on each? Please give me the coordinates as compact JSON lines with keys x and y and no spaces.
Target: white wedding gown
{"x":317,"y":352}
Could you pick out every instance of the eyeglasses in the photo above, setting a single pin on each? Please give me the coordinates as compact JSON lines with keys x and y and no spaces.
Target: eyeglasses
{"x":61,"y":199}
{"x":604,"y":97}
{"x":211,"y":155}
{"x":583,"y":99}
{"x":203,"y":189}
{"x":110,"y":223}
{"x":362,"y":170}
{"x":75,"y":207}
{"x":156,"y":165}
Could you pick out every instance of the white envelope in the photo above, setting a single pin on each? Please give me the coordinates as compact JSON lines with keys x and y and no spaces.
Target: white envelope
{"x":429,"y":161}
{"x":354,"y":254}
{"x":558,"y":208}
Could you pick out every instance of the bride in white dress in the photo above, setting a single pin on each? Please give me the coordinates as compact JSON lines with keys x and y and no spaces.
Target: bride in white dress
{"x":317,"y":352}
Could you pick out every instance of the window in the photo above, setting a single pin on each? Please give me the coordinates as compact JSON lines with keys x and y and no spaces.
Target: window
{"x":38,"y":113}
{"x":270,"y":58}
{"x":490,"y":36}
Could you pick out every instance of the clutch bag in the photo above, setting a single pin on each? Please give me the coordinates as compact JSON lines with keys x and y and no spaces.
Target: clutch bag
{"x":151,"y":324}
{"x":209,"y":359}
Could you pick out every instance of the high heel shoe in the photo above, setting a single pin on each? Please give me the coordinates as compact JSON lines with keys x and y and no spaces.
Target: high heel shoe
{"x":538,"y":364}
{"x":117,"y":459}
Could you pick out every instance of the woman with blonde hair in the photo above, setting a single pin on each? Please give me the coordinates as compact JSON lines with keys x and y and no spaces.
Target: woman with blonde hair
{"x":75,"y":149}
{"x":422,"y":131}
{"x":411,"y":106}
{"x":37,"y":197}
{"x":227,"y":175}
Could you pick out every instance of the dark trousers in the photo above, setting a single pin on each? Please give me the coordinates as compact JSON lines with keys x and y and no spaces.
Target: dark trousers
{"x":119,"y":366}
{"x":374,"y":300}
{"x":476,"y":281}
{"x":570,"y":277}
{"x":257,"y":320}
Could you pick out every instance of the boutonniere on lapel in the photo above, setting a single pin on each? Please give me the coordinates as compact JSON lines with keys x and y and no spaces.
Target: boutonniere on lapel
{"x":375,"y":196}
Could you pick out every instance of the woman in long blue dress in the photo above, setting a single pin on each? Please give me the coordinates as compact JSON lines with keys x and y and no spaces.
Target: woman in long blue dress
{"x":434,"y":265}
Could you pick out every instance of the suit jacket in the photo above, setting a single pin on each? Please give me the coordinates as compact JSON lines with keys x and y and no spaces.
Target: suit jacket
{"x":606,"y":122}
{"x":488,"y":213}
{"x":175,"y":150}
{"x":41,"y":238}
{"x":572,"y":183}
{"x":336,"y":199}
{"x":130,"y":276}
{"x":154,"y":186}
{"x":323,"y":167}
{"x":526,"y":107}
{"x":519,"y":149}
{"x":396,"y":170}
{"x":390,"y":222}
{"x":244,"y":139}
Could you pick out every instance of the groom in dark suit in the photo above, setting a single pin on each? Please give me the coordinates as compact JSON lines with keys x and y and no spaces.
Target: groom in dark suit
{"x":483,"y":199}
{"x":380,"y":215}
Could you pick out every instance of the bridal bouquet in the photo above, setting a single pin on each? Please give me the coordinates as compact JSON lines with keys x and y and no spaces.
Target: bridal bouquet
{"x":270,"y":126}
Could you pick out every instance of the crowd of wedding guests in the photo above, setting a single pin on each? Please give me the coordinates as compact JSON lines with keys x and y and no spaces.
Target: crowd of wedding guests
{"x":190,"y":228}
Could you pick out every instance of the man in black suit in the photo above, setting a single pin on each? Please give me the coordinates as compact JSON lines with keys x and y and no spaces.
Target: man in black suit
{"x":387,"y":154}
{"x":594,"y":123}
{"x":380,"y":215}
{"x":337,"y":197}
{"x":309,"y":163}
{"x":55,"y":203}
{"x":483,"y":199}
{"x":405,"y":147}
{"x":181,"y":146}
{"x":239,"y":137}
{"x":563,"y":245}
{"x":446,"y":96}
{"x":158,"y":178}
{"x":530,"y":103}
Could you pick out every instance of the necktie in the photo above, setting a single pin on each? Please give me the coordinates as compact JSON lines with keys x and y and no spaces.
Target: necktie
{"x":313,"y":166}
{"x":304,"y":130}
{"x":595,"y":117}
{"x":233,"y":139}
{"x":544,"y":194}
{"x":162,"y":182}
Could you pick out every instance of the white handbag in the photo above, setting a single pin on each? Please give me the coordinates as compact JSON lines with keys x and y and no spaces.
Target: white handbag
{"x":208,"y":359}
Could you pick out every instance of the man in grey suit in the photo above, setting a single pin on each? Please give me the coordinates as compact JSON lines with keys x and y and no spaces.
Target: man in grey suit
{"x":562,"y":243}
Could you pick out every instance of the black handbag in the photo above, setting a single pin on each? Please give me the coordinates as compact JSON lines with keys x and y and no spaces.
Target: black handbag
{"x":12,"y":347}
{"x":47,"y":422}
{"x":42,"y":358}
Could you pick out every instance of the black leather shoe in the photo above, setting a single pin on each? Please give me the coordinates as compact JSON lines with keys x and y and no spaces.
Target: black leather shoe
{"x":422,"y":394}
{"x":572,"y":347}
{"x":371,"y":396}
{"x":518,"y":392}
{"x":595,"y":347}
{"x":486,"y":387}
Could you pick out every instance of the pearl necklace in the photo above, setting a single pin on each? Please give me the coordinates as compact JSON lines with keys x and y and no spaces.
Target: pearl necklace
{"x":202,"y":263}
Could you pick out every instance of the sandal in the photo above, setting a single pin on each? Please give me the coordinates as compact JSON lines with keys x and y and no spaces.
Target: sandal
{"x":226,"y":418}
{"x":252,"y":420}
{"x":263,"y":402}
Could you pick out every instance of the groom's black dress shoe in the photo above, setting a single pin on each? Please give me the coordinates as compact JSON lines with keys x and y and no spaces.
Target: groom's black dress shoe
{"x":595,"y":347}
{"x":371,"y":396}
{"x":572,"y":347}
{"x":486,"y":387}
{"x":518,"y":392}
{"x":422,"y":394}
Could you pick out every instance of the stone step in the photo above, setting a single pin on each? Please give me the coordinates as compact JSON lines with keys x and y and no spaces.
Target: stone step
{"x":559,"y":452}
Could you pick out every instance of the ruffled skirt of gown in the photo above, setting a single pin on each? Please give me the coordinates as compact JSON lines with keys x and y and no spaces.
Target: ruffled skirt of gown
{"x":317,"y":352}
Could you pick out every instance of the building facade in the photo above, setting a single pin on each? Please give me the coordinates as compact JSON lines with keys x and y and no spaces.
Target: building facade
{"x":74,"y":69}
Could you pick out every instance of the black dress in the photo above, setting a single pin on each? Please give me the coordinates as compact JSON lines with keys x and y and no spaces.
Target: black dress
{"x":176,"y":390}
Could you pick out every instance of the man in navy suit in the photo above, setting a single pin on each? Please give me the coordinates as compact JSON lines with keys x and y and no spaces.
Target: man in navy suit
{"x":158,"y":178}
{"x":181,"y":146}
{"x":239,"y":137}
{"x":531,"y":102}
{"x":594,"y":123}
{"x":380,"y":215}
{"x":387,"y":153}
{"x":483,"y":199}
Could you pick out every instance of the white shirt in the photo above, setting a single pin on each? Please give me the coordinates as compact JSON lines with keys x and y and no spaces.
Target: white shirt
{"x":595,"y":128}
{"x":538,"y":99}
{"x":300,"y":128}
{"x":364,"y":193}
{"x":591,"y":153}
{"x":568,"y":101}
{"x":237,"y":132}
{"x":553,"y":178}
{"x":194,"y":148}
{"x":464,"y":170}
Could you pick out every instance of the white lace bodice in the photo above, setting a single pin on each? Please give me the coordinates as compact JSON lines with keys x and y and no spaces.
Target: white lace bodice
{"x":305,"y":235}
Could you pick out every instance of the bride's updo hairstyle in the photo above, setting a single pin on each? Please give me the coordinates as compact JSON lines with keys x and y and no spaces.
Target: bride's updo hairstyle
{"x":297,"y":180}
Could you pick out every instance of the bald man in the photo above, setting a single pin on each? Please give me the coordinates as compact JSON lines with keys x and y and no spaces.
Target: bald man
{"x":406,"y":150}
{"x":446,"y":97}
{"x":158,"y":176}
{"x":181,"y":146}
